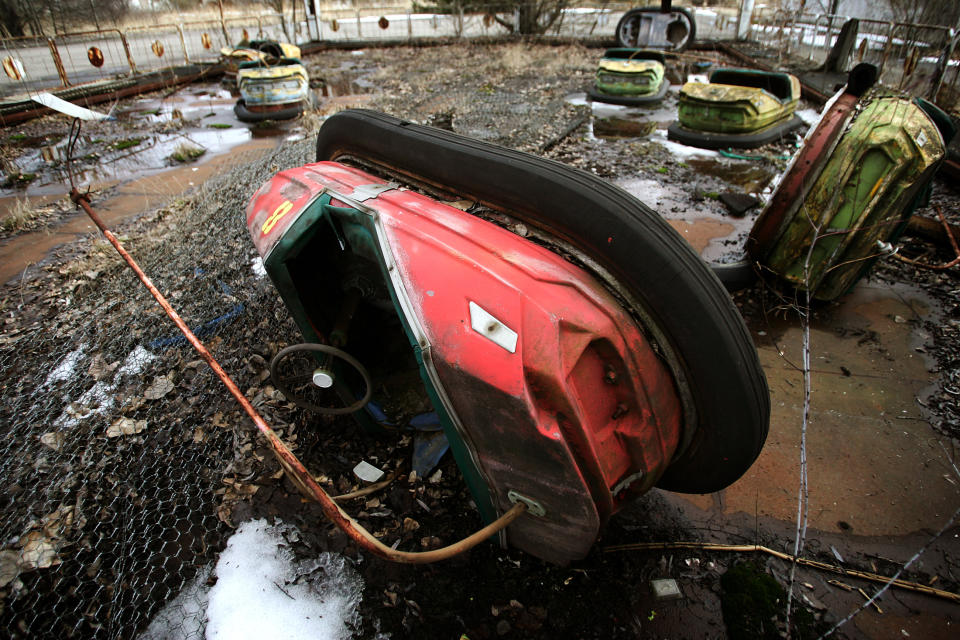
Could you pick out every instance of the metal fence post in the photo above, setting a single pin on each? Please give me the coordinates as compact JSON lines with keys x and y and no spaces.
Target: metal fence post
{"x":126,"y":50}
{"x":58,"y":62}
{"x":940,"y":70}
{"x":316,"y":19}
{"x":183,"y":43}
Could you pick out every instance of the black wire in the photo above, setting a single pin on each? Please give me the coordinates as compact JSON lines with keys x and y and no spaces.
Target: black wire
{"x":72,"y":138}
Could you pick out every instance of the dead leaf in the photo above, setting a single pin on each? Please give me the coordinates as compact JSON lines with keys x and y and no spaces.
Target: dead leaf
{"x":99,"y":369}
{"x":53,"y":439}
{"x":199,"y":435}
{"x":125,"y":427}
{"x":9,"y":567}
{"x":38,"y":552}
{"x":162,"y":385}
{"x":58,"y":523}
{"x":224,"y":513}
{"x":409,"y":524}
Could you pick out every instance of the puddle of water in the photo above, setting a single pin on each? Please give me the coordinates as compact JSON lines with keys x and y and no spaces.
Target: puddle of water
{"x":703,"y":222}
{"x":680,"y":151}
{"x":662,"y":113}
{"x":749,"y":177}
{"x":612,"y":128}
{"x":198,"y":116}
{"x":97,"y":163}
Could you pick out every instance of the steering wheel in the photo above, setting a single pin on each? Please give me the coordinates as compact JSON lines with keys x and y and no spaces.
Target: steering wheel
{"x":295,"y":372}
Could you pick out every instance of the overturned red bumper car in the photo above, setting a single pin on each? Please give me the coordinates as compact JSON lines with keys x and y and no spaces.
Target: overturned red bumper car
{"x":573,"y":349}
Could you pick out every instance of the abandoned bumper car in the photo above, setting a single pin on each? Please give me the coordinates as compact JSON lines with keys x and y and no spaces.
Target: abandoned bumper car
{"x":741,"y":108}
{"x":254,"y":50}
{"x":849,"y":192}
{"x":572,"y":349}
{"x":273,"y":85}
{"x":630,"y":77}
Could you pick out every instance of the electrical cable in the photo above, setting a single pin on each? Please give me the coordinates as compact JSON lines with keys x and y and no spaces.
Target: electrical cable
{"x":295,"y":469}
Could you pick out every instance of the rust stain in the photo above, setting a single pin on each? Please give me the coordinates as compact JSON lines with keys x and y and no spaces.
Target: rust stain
{"x":205,"y":39}
{"x":157,"y":48}
{"x":383,"y":22}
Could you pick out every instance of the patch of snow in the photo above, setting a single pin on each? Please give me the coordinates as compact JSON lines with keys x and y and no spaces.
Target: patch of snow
{"x":809,"y":116}
{"x":65,"y":370}
{"x":185,"y":615}
{"x":263,"y":591}
{"x":360,"y":52}
{"x":681,"y":151}
{"x":136,"y":361}
{"x":258,"y":269}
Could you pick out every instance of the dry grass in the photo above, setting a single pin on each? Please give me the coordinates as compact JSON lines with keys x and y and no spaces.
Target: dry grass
{"x":21,"y":216}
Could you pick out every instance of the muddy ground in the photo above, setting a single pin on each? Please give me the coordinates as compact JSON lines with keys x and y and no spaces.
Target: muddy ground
{"x":883,"y":435}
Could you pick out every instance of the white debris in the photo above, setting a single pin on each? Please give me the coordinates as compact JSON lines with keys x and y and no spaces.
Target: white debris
{"x":68,"y":108}
{"x":136,"y":361}
{"x":258,"y":269}
{"x":65,"y":370}
{"x":678,"y":150}
{"x":809,"y":116}
{"x":367,"y":472}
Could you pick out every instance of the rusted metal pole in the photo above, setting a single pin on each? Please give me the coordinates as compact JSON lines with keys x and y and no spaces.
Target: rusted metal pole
{"x":223,"y":25}
{"x":295,"y":470}
{"x":58,"y":62}
{"x":183,"y":45}
{"x":126,"y":49}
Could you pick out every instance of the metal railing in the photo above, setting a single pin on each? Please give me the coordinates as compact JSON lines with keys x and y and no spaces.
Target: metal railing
{"x":920,"y":58}
{"x":70,"y":59}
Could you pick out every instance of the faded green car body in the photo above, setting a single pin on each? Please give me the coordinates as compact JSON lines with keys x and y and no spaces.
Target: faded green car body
{"x":738,"y":101}
{"x":630,"y":72}
{"x":863,"y":195}
{"x":283,"y":83}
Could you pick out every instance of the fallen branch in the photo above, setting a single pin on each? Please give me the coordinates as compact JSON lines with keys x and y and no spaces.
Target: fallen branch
{"x":823,"y":566}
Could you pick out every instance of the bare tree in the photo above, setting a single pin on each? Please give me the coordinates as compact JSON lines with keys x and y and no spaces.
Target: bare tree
{"x":939,"y":12}
{"x":527,"y":16}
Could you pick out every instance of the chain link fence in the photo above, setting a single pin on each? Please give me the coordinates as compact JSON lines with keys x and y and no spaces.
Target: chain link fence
{"x":122,"y":453}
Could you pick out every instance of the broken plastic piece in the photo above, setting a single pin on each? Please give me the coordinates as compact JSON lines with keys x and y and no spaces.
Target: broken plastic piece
{"x":367,"y":472}
{"x":68,"y":108}
{"x":666,"y":589}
